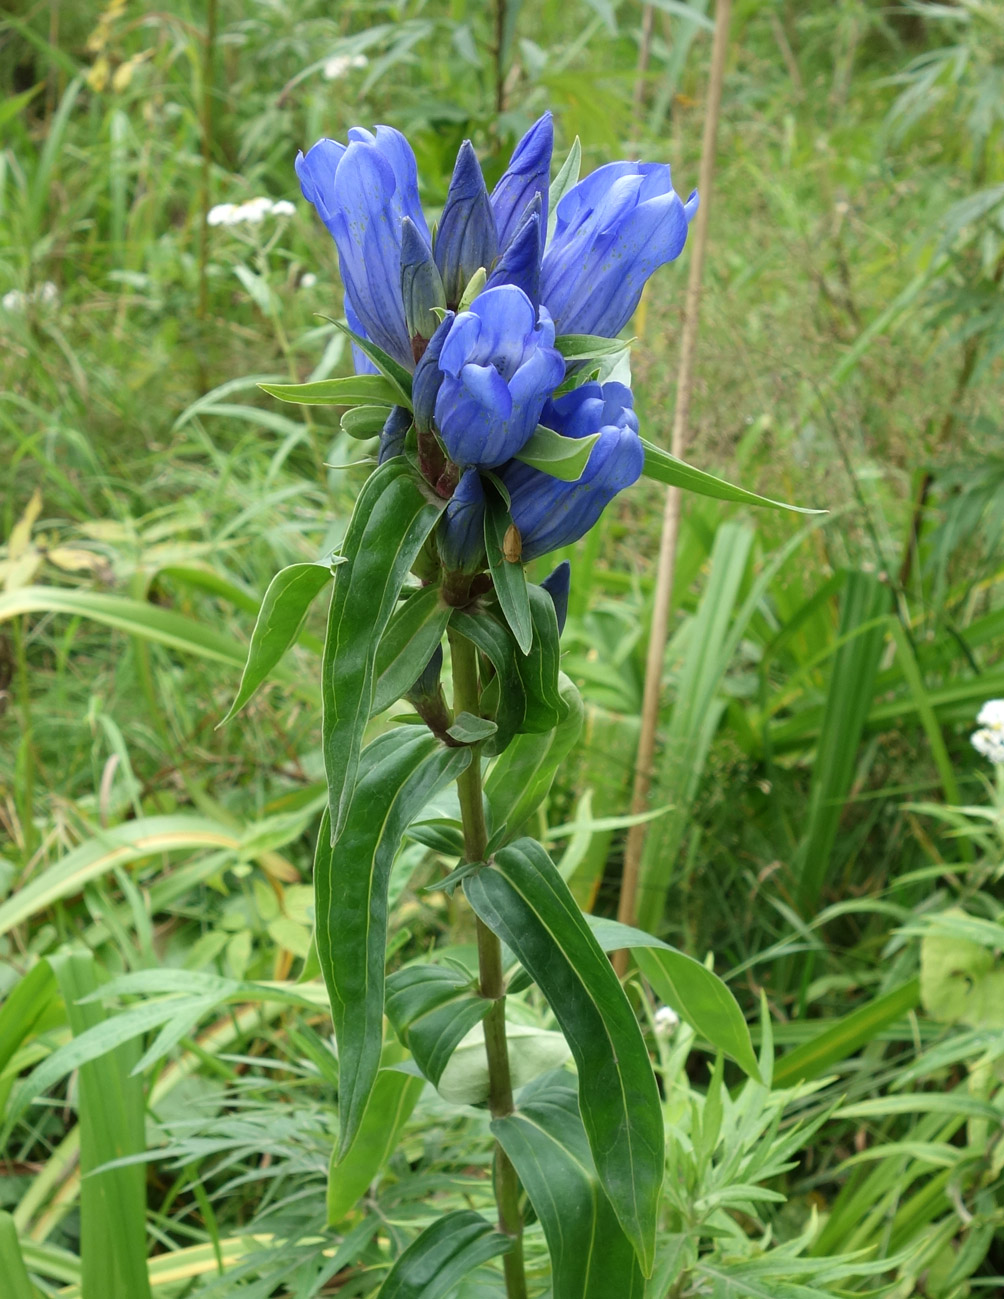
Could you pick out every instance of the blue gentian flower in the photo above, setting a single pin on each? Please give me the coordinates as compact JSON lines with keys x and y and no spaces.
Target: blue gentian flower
{"x":528,"y":174}
{"x":614,"y":229}
{"x":428,"y":377}
{"x":421,"y":286}
{"x":499,"y":366}
{"x":557,"y":584}
{"x":550,"y":513}
{"x":462,"y":531}
{"x":466,"y":240}
{"x":393,"y":434}
{"x":361,"y":192}
{"x":520,"y":263}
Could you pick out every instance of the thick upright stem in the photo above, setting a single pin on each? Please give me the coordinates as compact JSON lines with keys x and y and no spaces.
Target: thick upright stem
{"x":491,"y":983}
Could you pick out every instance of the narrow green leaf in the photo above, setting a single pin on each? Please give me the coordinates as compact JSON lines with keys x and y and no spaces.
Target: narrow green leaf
{"x":388,"y":1109}
{"x":568,"y":175}
{"x":591,"y":1257}
{"x":414,"y":631}
{"x":468,"y":729}
{"x":364,"y":422}
{"x":589,"y":347}
{"x":282,"y":615}
{"x":399,"y":772}
{"x":538,"y":670}
{"x":395,"y":374}
{"x":561,"y":457}
{"x":432,"y":1008}
{"x":524,"y":901}
{"x":15,"y":1275}
{"x":520,"y":780}
{"x":352,"y":390}
{"x":839,"y":1040}
{"x":389,"y":525}
{"x":665,"y":468}
{"x":111,"y":1107}
{"x":506,"y":699}
{"x":509,"y":578}
{"x":25,"y":1006}
{"x":442,"y":1256}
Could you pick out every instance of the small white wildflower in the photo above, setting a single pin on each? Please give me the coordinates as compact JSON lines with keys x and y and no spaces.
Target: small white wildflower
{"x":339,"y":64}
{"x":283,"y":208}
{"x":992,"y":714}
{"x":254,"y":211}
{"x":15,"y":300}
{"x":308,"y":280}
{"x":223,"y":214}
{"x":666,"y":1019}
{"x":989,"y":740}
{"x":47,"y":294}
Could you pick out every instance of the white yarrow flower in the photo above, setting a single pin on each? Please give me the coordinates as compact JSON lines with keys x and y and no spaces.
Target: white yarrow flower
{"x":339,"y":64}
{"x":15,"y":300}
{"x":308,"y":280}
{"x":283,"y":208}
{"x":989,"y":740}
{"x":666,"y":1019}
{"x":254,"y":211}
{"x":223,"y":214}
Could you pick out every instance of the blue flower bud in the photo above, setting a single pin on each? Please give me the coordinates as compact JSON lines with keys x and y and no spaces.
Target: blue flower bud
{"x":462,"y":530}
{"x":528,"y":174}
{"x":393,"y":433}
{"x":550,"y":513}
{"x":520,"y":263}
{"x":427,"y":685}
{"x":361,"y":192}
{"x":499,"y":366}
{"x":421,"y":286}
{"x":614,"y":229}
{"x":466,"y":238}
{"x":557,"y":585}
{"x":428,"y":377}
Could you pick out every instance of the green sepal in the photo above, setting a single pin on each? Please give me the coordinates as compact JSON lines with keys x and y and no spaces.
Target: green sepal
{"x":350,"y":390}
{"x":696,"y":993}
{"x":525,"y":902}
{"x":399,"y":773}
{"x":509,"y":578}
{"x":589,"y":347}
{"x":561,"y":457}
{"x":364,"y":422}
{"x":415,"y":629}
{"x":442,"y":1256}
{"x":520,"y":780}
{"x":432,"y":1008}
{"x":389,"y":525}
{"x":666,"y":468}
{"x":388,"y":1109}
{"x":395,"y":373}
{"x":591,"y":1257}
{"x":280,"y":619}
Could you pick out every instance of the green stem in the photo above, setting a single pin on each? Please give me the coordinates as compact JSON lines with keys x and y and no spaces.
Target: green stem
{"x":466,"y":698}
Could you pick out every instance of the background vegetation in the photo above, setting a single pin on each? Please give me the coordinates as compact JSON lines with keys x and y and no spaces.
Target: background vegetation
{"x":826,"y":830}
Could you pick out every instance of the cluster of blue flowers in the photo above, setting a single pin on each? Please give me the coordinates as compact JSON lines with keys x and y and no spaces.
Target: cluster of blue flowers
{"x":473,"y":312}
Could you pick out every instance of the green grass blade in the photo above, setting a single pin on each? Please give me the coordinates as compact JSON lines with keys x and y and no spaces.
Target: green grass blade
{"x":16,"y":1282}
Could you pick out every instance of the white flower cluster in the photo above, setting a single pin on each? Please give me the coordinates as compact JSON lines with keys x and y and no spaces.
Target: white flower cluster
{"x":989,"y":740}
{"x":253,"y":212}
{"x":339,"y":64}
{"x":45,"y":294}
{"x":666,"y":1019}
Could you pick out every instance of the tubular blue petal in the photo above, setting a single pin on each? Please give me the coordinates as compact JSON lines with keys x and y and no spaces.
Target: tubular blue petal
{"x":461,"y":536}
{"x":421,"y":286}
{"x":466,"y":238}
{"x":614,"y":229}
{"x":393,"y":433}
{"x":527,"y":175}
{"x":361,"y":362}
{"x":428,"y":376}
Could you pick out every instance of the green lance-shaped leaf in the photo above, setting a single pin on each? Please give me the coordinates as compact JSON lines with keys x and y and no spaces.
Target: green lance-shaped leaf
{"x":538,"y":670}
{"x":282,"y":615}
{"x":494,"y":639}
{"x":696,"y":994}
{"x":406,"y":646}
{"x":567,"y":177}
{"x":591,"y":1257}
{"x":589,"y":347}
{"x":666,"y":468}
{"x":353,"y":390}
{"x":388,"y":1109}
{"x":389,"y":525}
{"x":395,"y":373}
{"x":526,"y":903}
{"x":432,"y":1008}
{"x":520,"y":780}
{"x":507,"y":575}
{"x":399,"y":772}
{"x":561,"y":457}
{"x":442,"y":1256}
